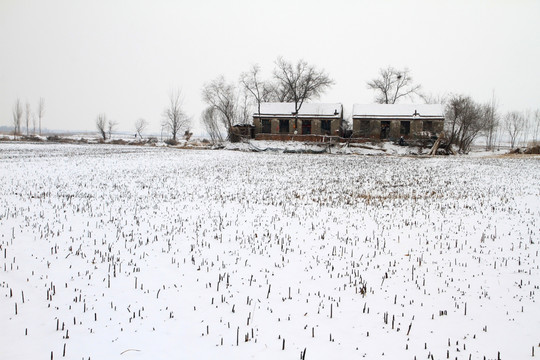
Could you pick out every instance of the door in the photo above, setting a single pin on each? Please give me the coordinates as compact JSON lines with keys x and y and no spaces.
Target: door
{"x":283,"y":126}
{"x":306,"y":127}
{"x":385,"y":129}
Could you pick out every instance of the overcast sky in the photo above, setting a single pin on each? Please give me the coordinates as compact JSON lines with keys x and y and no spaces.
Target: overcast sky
{"x":123,"y":58}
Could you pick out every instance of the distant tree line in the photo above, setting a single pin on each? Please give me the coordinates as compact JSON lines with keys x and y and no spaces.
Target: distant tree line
{"x":174,"y":120}
{"x":29,"y":116}
{"x":230,"y":103}
{"x":467,"y":120}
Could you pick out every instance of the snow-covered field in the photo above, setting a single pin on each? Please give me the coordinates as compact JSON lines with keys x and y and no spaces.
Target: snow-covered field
{"x":114,"y":252}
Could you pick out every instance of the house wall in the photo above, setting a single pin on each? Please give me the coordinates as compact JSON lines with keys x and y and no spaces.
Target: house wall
{"x":438,"y":126}
{"x":274,"y":126}
{"x":258,"y":125}
{"x":395,"y":127}
{"x":417,"y":127}
{"x":335,"y":126}
{"x":374,"y":128}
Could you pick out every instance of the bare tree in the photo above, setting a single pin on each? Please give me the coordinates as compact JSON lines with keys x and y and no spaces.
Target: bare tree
{"x":465,"y":120}
{"x":262,"y":91}
{"x":110,"y":127}
{"x":101,"y":124}
{"x":28,"y":115}
{"x":243,"y":108}
{"x":536,"y":120}
{"x":392,"y":85}
{"x":279,"y":92}
{"x":513,"y":124}
{"x":17,"y":117}
{"x":140,"y":125}
{"x":221,"y":96}
{"x":163,"y":129}
{"x":300,"y":82}
{"x":434,"y":98}
{"x":212,"y":124}
{"x":41,"y":111}
{"x":174,"y":116}
{"x":34,"y":123}
{"x":527,"y":124}
{"x":492,"y":122}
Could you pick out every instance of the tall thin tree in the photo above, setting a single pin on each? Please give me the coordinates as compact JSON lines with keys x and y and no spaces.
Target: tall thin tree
{"x":28,"y":115}
{"x":536,"y":126}
{"x":260,"y":90}
{"x":514,"y":124}
{"x":174,"y":116}
{"x":17,"y":117}
{"x":111,"y":125}
{"x":492,"y":122}
{"x":140,"y":125}
{"x":212,"y":125}
{"x":41,"y":111}
{"x":101,"y":124}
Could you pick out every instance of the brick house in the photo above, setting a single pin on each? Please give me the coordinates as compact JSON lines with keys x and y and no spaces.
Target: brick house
{"x":391,"y":121}
{"x":312,"y":119}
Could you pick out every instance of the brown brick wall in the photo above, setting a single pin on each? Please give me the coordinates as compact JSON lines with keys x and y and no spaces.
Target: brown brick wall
{"x":335,"y":126}
{"x":416,"y":128}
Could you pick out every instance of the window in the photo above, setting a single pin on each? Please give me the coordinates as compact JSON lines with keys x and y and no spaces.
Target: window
{"x":427,"y":126}
{"x":306,"y":127}
{"x":326,"y":127}
{"x":266,"y":126}
{"x":405,"y":128}
{"x":283,"y":126}
{"x":364,"y":128}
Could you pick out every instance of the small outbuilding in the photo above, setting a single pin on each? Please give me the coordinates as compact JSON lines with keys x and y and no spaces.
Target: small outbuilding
{"x":312,"y":119}
{"x":244,"y":130}
{"x":393,"y":121}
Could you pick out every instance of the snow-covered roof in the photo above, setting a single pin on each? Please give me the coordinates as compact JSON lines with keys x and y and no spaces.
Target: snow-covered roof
{"x":307,"y":110}
{"x":386,"y":111}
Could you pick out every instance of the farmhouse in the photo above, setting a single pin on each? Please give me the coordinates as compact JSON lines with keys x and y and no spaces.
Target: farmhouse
{"x":312,"y":119}
{"x":391,"y":121}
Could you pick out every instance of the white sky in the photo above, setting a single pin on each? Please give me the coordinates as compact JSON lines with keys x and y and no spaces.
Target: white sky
{"x":122,"y":58}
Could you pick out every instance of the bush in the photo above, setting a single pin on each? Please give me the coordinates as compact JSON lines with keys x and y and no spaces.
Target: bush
{"x":234,"y":138}
{"x":31,"y":138}
{"x":533,"y":150}
{"x":171,"y":142}
{"x":118,"y":142}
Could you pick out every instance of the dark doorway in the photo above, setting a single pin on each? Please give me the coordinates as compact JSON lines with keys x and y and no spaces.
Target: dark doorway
{"x":325,"y":127}
{"x":266,"y":126}
{"x":404,"y":128}
{"x":284,"y":126}
{"x":385,"y":129}
{"x":306,"y":127}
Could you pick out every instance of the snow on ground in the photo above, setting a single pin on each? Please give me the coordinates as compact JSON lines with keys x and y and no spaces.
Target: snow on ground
{"x":116,"y":252}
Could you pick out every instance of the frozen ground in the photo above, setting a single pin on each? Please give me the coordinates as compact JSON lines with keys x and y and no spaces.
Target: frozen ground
{"x":116,"y":252}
